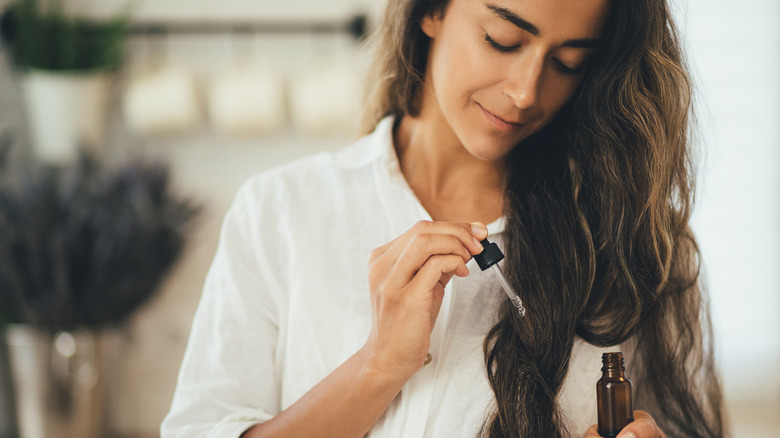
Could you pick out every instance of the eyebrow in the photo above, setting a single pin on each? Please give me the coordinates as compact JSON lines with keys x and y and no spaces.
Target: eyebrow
{"x":507,"y":15}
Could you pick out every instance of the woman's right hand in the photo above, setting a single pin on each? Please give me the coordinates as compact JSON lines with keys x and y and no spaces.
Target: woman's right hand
{"x":643,"y":426}
{"x":407,"y":277}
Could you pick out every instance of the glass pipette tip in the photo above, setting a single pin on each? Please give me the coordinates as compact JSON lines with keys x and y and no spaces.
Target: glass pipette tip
{"x":510,"y":291}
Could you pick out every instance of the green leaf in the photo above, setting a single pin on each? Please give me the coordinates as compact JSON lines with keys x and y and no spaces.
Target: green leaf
{"x":48,"y":39}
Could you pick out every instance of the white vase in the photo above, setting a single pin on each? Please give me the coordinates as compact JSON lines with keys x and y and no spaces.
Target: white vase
{"x":62,"y":382}
{"x":66,"y":111}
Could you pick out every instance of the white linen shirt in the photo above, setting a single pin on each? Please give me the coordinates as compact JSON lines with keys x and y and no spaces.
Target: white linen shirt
{"x":287,"y":301}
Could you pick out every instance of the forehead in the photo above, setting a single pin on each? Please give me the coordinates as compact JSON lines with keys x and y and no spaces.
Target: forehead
{"x":555,"y":19}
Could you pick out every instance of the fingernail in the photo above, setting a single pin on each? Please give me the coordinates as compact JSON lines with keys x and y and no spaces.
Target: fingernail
{"x":479,"y":229}
{"x":479,"y":245}
{"x":626,"y":435}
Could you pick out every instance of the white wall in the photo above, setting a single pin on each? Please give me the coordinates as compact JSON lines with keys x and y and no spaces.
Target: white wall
{"x":734,"y":50}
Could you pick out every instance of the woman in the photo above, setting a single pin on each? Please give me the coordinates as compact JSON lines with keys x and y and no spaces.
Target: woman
{"x":564,"y":127}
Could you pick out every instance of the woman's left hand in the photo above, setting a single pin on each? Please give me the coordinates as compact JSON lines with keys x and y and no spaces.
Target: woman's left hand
{"x":643,"y":426}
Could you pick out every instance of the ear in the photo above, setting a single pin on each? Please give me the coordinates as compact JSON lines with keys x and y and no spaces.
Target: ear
{"x":431,"y":23}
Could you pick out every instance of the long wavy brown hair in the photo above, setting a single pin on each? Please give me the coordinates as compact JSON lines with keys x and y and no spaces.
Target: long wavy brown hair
{"x":597,"y":240}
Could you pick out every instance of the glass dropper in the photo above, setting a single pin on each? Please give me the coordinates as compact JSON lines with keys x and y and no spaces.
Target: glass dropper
{"x":488,"y":259}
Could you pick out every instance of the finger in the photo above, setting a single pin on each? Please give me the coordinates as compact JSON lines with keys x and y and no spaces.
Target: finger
{"x":468,"y":234}
{"x":592,"y":432}
{"x":438,"y":289}
{"x":420,"y":249}
{"x":643,"y":426}
{"x":384,"y":258}
{"x":436,"y":267}
{"x":445,"y":278}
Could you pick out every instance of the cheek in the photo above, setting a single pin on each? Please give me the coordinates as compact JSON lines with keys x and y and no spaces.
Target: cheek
{"x":555,"y":95}
{"x":459,"y":67}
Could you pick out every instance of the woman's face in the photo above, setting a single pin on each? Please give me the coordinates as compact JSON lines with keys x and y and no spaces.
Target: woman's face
{"x":500,"y":70}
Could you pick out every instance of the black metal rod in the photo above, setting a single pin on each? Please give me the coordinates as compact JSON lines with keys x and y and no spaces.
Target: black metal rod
{"x":356,"y":26}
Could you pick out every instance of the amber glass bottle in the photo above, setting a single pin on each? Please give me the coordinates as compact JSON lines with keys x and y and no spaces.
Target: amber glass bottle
{"x":613,"y":396}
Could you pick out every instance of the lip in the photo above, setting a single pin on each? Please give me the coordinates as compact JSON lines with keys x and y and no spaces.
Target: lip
{"x":499,"y":122}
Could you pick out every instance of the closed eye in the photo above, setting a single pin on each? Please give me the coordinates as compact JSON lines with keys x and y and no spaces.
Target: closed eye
{"x":565,"y":69}
{"x":560,"y":66}
{"x":499,"y":47}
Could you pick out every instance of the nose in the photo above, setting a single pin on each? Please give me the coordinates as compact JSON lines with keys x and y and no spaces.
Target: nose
{"x":524,"y":80}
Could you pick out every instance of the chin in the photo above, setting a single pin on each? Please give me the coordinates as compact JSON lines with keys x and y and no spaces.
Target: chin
{"x":492,"y":148}
{"x":489,"y":151}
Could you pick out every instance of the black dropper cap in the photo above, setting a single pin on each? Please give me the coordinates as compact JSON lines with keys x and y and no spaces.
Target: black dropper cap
{"x":489,"y":256}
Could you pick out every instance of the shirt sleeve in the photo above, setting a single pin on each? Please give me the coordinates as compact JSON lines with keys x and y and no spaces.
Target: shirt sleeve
{"x":227,"y":381}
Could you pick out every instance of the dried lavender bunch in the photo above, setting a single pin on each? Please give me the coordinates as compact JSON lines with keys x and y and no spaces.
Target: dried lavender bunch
{"x":86,"y":246}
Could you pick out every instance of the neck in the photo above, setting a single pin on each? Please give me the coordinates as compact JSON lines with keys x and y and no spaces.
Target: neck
{"x":452,"y":184}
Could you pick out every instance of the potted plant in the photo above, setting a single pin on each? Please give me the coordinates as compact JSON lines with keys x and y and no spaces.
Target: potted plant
{"x":66,"y":65}
{"x":81,"y":249}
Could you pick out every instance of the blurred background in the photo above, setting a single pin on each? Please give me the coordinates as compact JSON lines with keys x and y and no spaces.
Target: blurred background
{"x":218,"y":91}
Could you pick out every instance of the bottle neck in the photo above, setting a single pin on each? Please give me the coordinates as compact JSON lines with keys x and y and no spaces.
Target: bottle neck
{"x":613,"y":372}
{"x":613,"y":365}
